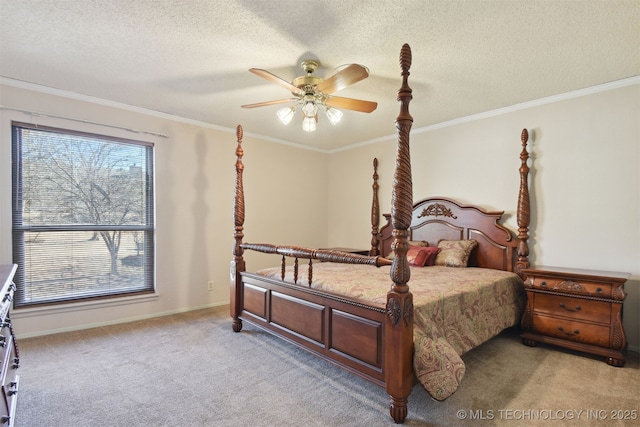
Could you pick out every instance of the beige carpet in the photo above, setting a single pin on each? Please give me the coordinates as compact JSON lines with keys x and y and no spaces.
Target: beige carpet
{"x":192,"y":370}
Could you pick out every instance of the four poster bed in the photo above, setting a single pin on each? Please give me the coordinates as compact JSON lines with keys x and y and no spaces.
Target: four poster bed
{"x":358,"y":311}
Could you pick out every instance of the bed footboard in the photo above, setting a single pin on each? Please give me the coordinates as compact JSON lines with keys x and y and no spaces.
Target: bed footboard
{"x":336,"y":329}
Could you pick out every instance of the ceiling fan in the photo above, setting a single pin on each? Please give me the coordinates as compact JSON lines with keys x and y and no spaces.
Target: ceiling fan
{"x":311,"y":91}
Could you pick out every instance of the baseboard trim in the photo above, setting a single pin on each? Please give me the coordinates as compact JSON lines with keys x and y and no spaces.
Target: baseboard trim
{"x":115,"y":321}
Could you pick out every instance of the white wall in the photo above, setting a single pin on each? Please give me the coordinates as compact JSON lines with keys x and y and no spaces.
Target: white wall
{"x":195,"y":178}
{"x":585,"y":181}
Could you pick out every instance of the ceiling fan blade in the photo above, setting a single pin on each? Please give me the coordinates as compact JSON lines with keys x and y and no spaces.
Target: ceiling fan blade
{"x":343,"y":78}
{"x":351,"y":104}
{"x":264,"y":104}
{"x":277,"y":80}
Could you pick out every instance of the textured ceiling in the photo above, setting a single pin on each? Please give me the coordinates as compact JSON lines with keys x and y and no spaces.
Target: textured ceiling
{"x":190,"y":58}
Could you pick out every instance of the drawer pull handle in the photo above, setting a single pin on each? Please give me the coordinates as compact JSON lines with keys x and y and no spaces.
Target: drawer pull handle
{"x":543,"y":284}
{"x":13,"y":385}
{"x":578,"y":308}
{"x":599,"y":290}
{"x":575,"y":331}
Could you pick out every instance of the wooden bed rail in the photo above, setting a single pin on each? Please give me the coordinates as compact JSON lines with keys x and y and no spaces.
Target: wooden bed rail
{"x":299,"y":252}
{"x":319,"y":254}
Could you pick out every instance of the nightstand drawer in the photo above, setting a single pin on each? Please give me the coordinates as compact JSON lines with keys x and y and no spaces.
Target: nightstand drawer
{"x":574,"y":308}
{"x":570,"y":330}
{"x":569,"y":286}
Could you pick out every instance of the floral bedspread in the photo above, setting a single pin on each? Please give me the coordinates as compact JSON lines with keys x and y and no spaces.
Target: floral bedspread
{"x":455,"y":310}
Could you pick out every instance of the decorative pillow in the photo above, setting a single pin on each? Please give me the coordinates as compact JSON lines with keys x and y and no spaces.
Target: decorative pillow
{"x":433,"y":253}
{"x":455,"y":253}
{"x":418,"y":256}
{"x":420,"y":243}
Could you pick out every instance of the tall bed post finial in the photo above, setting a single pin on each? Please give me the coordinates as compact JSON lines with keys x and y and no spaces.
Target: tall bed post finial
{"x":524,"y":209}
{"x":238,"y":264}
{"x":238,"y":205}
{"x":399,"y":319}
{"x":375,"y":213}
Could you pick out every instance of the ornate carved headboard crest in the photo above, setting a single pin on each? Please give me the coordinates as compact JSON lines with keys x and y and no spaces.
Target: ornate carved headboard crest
{"x":437,"y":209}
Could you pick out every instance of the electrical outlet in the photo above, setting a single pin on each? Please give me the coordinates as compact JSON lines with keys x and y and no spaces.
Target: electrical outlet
{"x":210,"y":285}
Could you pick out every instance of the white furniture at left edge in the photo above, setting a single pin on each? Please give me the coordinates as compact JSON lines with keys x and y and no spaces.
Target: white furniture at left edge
{"x":9,"y":356}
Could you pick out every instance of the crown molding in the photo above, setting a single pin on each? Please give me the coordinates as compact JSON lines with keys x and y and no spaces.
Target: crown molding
{"x":635,"y":80}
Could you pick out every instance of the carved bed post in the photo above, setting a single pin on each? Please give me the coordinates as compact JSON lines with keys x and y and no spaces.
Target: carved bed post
{"x":399,"y":318}
{"x":524,"y":209}
{"x":375,"y":213}
{"x":237,"y":264}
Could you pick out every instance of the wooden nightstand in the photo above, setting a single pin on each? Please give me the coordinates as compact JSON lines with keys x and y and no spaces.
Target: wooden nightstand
{"x":577,"y":309}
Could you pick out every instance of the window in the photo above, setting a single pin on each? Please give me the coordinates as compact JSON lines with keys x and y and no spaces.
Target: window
{"x":83,"y":215}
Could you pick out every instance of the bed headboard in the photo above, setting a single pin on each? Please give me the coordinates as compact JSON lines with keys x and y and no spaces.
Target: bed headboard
{"x":437,"y":218}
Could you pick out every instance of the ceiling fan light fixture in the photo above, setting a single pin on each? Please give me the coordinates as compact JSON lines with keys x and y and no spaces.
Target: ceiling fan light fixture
{"x":309,"y":124}
{"x":312,"y":92}
{"x":286,"y":114}
{"x":333,"y":115}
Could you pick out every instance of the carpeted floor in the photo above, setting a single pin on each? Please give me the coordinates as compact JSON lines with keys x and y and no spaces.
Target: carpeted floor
{"x":191,"y":370}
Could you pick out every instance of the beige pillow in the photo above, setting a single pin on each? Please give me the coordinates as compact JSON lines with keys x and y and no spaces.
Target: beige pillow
{"x":455,"y":253}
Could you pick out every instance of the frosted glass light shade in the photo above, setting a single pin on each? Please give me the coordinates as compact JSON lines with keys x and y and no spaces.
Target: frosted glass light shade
{"x":309,"y":109}
{"x":286,"y":114}
{"x":333,"y":115}
{"x":309,"y":124}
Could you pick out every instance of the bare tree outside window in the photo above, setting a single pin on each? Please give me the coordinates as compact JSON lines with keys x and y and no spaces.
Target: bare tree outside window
{"x":72,"y":192}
